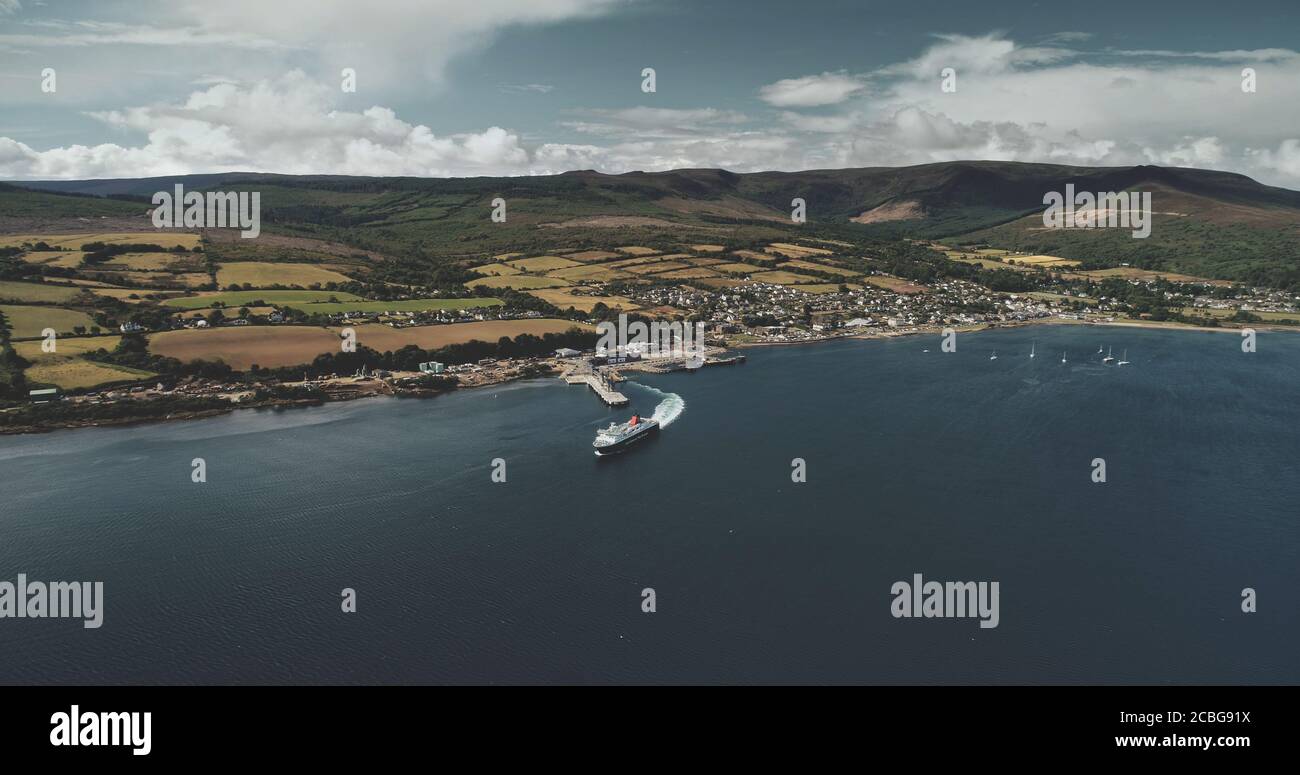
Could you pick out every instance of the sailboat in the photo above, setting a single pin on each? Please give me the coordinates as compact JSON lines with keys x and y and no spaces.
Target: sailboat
{"x":1124,"y":360}
{"x":1099,"y":349}
{"x":1062,"y":357}
{"x":994,"y":356}
{"x":1109,"y":357}
{"x":1032,"y":345}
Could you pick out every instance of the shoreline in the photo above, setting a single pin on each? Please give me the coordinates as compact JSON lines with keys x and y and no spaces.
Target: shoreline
{"x":283,"y":404}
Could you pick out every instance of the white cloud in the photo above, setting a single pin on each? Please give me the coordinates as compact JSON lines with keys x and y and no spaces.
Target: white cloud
{"x":288,"y":125}
{"x":10,"y":7}
{"x":811,"y":90}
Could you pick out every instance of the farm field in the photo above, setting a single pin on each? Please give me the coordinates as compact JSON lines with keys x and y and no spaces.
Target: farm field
{"x":151,"y":279}
{"x":766,"y":259}
{"x":780,"y":277}
{"x":591,"y":256}
{"x":598,"y":273}
{"x":692,"y":273}
{"x":835,"y":270}
{"x":637,"y":250}
{"x":1271,"y":317}
{"x":403,"y":305}
{"x":796,"y":251}
{"x":542,"y":263}
{"x":657,"y":267}
{"x":707,"y":248}
{"x":1043,"y":261}
{"x":494,"y":270}
{"x":13,"y":291}
{"x":155,"y":262}
{"x":27,"y":322}
{"x":67,"y":259}
{"x":124,"y":294}
{"x":75,"y":373}
{"x":738,"y":269}
{"x":66,"y":346}
{"x":165,"y":239}
{"x":243,"y":346}
{"x":565,"y":299}
{"x":241,"y":298}
{"x":385,"y":338}
{"x":256,"y":273}
{"x":1133,"y":273}
{"x":1059,"y":297}
{"x":523,"y":282}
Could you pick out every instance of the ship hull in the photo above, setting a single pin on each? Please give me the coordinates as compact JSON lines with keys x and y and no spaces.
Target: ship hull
{"x":622,"y":444}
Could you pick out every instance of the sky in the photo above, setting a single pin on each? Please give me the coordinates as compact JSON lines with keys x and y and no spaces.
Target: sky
{"x":513,"y":87}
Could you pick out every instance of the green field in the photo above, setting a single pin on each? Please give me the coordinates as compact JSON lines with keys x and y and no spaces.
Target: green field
{"x":27,"y":322}
{"x":10,"y":291}
{"x":405,"y":305}
{"x":241,"y":298}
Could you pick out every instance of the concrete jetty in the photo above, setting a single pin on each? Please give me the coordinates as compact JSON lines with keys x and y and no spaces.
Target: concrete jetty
{"x":607,"y":394}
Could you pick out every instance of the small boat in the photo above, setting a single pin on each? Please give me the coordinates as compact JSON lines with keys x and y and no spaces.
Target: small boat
{"x":994,"y":356}
{"x":1063,"y":358}
{"x":1110,"y":358}
{"x":1032,"y":345}
{"x":1123,"y":361}
{"x":1099,"y":349}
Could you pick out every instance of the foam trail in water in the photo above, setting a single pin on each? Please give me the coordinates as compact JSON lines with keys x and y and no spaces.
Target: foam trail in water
{"x":668,"y":409}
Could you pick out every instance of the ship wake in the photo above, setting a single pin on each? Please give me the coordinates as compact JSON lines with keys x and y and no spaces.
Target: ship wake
{"x":669,"y":408}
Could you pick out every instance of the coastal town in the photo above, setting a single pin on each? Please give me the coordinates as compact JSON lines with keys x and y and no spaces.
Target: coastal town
{"x":268,"y":343}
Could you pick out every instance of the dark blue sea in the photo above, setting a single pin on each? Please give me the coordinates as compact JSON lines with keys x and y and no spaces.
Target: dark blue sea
{"x":954,"y":466}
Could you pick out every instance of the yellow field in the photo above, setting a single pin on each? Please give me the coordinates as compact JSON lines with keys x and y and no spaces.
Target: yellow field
{"x":599,"y":273}
{"x":656,"y":267}
{"x":705,"y":261}
{"x":242,"y":346}
{"x":157,"y":279}
{"x":124,"y":294}
{"x":506,"y":256}
{"x":542,"y":263}
{"x":494,"y":270}
{"x":11,"y":291}
{"x":1133,"y":273}
{"x":1042,"y":261}
{"x":517,"y":281}
{"x":166,"y":239}
{"x":68,"y":259}
{"x":835,"y":270}
{"x":155,"y":262}
{"x":706,"y":248}
{"x":72,"y":373}
{"x":783,"y":278}
{"x":797,"y":251}
{"x":693,"y":273}
{"x":590,"y":256}
{"x":30,"y":321}
{"x":261,"y":275}
{"x":637,"y":250}
{"x":632,"y":262}
{"x":566,"y":299}
{"x":738,"y":269}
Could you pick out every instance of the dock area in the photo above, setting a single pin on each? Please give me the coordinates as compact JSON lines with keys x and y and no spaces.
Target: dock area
{"x":599,"y":386}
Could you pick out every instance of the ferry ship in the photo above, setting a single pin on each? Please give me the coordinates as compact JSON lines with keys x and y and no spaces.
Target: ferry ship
{"x":618,"y":437}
